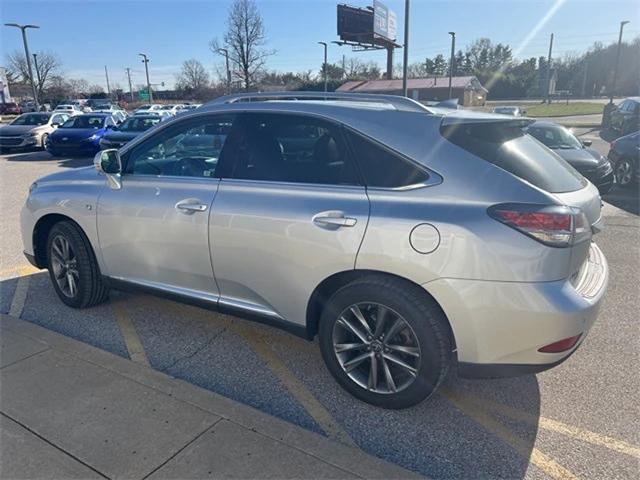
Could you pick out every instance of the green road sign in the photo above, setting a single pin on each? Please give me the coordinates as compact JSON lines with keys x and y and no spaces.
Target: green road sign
{"x":143,"y":94}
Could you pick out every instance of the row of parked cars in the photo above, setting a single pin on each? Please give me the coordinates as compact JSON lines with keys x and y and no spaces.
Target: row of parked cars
{"x":67,"y":131}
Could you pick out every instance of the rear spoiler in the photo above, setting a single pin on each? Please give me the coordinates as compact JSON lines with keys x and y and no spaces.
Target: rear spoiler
{"x":473,"y":118}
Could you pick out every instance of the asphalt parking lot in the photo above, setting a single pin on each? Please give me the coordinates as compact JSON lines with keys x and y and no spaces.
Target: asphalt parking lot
{"x":579,"y":420}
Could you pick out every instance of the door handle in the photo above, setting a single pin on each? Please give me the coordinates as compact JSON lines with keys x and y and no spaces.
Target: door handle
{"x":333,"y":219}
{"x":189,"y":206}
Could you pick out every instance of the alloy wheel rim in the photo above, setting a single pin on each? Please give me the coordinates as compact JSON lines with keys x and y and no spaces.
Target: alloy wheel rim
{"x":65,"y":266}
{"x":376,"y":347}
{"x":623,"y":173}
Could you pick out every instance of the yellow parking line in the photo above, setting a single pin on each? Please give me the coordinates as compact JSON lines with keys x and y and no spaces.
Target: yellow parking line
{"x":560,"y":427}
{"x":18,"y":271}
{"x":260,"y":345}
{"x":131,"y":339}
{"x":535,"y":456}
{"x":19,"y":297}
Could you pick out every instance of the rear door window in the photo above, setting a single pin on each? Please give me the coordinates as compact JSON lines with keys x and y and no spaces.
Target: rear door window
{"x":290,"y":148}
{"x":509,"y":148}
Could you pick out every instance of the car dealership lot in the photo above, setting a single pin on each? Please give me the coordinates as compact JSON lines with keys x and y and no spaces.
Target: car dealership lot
{"x":573,"y":421}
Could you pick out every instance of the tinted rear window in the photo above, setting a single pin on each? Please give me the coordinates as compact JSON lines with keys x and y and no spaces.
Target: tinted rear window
{"x":507,"y":147}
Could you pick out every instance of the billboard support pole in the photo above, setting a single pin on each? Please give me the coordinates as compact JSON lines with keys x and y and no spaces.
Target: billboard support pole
{"x":389,"y":73}
{"x":406,"y":48}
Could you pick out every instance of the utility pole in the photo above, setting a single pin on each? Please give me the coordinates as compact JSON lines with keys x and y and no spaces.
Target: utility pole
{"x":324,"y":65}
{"x":452,"y":62}
{"x":129,"y":78}
{"x":145,"y":60}
{"x":23,"y":28}
{"x":405,"y":62}
{"x":344,"y":66}
{"x":35,"y":64}
{"x":106,"y":74}
{"x":548,"y":80}
{"x":615,"y":70}
{"x":226,"y":56}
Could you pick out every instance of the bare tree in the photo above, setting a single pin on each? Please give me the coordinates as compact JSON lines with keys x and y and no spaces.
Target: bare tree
{"x":193,"y":77}
{"x":49,"y":66}
{"x":244,"y":40}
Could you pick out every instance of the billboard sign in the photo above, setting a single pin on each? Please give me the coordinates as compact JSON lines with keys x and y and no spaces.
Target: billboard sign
{"x":384,"y":21}
{"x":355,"y":24}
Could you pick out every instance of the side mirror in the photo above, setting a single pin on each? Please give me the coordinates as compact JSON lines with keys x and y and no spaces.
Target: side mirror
{"x":587,"y":143}
{"x":108,"y":162}
{"x":56,"y":124}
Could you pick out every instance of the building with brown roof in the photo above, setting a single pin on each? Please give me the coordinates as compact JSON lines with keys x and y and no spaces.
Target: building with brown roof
{"x":468,"y":90}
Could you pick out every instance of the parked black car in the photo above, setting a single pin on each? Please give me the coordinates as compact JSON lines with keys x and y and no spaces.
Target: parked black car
{"x":128,"y":130}
{"x":625,"y":157}
{"x":591,"y":164}
{"x":626,"y":117}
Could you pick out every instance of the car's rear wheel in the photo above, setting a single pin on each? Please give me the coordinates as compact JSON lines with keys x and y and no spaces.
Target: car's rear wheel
{"x":624,"y":172}
{"x":385,"y":341}
{"x":73,"y":267}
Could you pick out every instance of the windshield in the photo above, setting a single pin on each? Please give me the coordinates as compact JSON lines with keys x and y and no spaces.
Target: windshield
{"x":505,"y":110}
{"x":167,"y":107}
{"x":554,"y":137}
{"x":31,"y":119}
{"x":134,"y":124}
{"x":84,"y":122}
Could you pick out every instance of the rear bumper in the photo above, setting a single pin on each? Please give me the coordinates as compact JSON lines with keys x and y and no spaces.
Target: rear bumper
{"x":499,"y":326}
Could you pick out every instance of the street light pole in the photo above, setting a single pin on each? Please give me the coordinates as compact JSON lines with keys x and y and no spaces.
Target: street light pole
{"x":129,"y":78}
{"x":35,"y":64}
{"x":145,"y":60}
{"x":405,"y":60}
{"x":452,"y":62}
{"x":324,"y":65}
{"x":23,"y":28}
{"x":548,"y":80}
{"x":106,"y":74}
{"x":615,"y":70}
{"x":226,"y":56}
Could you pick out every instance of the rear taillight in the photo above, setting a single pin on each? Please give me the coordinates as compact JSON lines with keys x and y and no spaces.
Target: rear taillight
{"x":556,"y":226}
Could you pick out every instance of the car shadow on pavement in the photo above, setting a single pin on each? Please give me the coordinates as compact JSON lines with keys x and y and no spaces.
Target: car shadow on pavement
{"x":625,"y":198}
{"x":43,"y":156}
{"x":469,"y":429}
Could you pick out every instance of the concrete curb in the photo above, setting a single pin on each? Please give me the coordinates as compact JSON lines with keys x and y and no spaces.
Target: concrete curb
{"x":351,"y":460}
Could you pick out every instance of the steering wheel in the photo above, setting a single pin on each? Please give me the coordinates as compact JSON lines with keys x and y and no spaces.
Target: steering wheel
{"x":191,"y":167}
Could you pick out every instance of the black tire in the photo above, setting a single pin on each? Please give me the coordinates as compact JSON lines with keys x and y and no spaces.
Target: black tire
{"x":90,"y":290}
{"x":43,"y":140}
{"x":426,"y":320}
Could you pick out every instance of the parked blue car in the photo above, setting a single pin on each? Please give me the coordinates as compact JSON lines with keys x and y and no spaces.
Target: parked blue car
{"x":80,"y":135}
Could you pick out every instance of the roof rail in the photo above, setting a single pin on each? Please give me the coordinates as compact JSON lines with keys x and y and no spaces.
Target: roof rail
{"x":400,"y":103}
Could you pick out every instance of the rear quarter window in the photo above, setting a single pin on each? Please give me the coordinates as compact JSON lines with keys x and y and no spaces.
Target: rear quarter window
{"x":507,"y":147}
{"x":383,"y":168}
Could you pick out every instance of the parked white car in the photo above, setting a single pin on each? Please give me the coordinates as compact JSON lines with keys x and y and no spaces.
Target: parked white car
{"x":69,"y":109}
{"x":148,"y":108}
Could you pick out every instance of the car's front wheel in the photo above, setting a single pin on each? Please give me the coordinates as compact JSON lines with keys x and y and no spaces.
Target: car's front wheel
{"x":624,"y":172}
{"x":73,"y":267}
{"x":43,"y":140}
{"x":385,"y":341}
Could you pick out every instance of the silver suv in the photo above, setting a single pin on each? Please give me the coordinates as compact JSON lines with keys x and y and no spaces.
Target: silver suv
{"x":407,"y":238}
